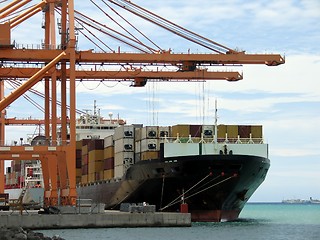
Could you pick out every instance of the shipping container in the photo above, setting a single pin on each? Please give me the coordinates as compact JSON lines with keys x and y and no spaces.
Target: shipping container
{"x":96,"y":166}
{"x":91,"y":177}
{"x":137,"y":134}
{"x":85,"y":141}
{"x":164,"y":131}
{"x":182,"y":130}
{"x":85,"y":159}
{"x":222,"y":130}
{"x":150,"y":155}
{"x":119,"y":171}
{"x":195,"y":130}
{"x":108,"y":174}
{"x":78,"y":179}
{"x":78,"y":172}
{"x":78,"y":162}
{"x":137,"y":146}
{"x":78,"y":153}
{"x":232,"y":131}
{"x":121,"y":158}
{"x":244,"y":131}
{"x":123,"y":131}
{"x":84,"y":150}
{"x":96,"y":144}
{"x":84,"y":179}
{"x":124,"y":145}
{"x":84,"y":169}
{"x":149,"y":132}
{"x":108,"y":152}
{"x":256,"y":131}
{"x":78,"y":145}
{"x":208,"y":131}
{"x":108,"y":163}
{"x":108,"y":141}
{"x":96,"y":155}
{"x":150,"y":145}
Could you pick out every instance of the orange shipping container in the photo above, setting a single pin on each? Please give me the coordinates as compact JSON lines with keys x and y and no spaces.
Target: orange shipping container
{"x":78,"y":145}
{"x":91,"y":177}
{"x":149,"y":155}
{"x":108,"y":174}
{"x":183,"y":130}
{"x":222,"y":129}
{"x":84,"y":179}
{"x":256,"y":131}
{"x":96,"y":166}
{"x":232,"y":131}
{"x":108,"y":152}
{"x":96,"y":155}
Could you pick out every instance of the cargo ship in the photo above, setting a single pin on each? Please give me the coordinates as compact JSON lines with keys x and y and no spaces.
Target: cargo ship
{"x":210,"y":171}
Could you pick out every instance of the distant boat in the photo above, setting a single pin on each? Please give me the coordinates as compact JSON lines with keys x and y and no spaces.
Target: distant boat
{"x":295,"y":201}
{"x":314,"y":201}
{"x":301,"y":201}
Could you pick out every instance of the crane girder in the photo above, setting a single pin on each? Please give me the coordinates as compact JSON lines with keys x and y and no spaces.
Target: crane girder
{"x":23,"y":73}
{"x":166,"y":57}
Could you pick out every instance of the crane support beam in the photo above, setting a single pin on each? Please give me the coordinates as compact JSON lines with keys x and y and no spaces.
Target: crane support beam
{"x":42,"y":55}
{"x":30,"y":83}
{"x":11,"y":7}
{"x":21,"y":73}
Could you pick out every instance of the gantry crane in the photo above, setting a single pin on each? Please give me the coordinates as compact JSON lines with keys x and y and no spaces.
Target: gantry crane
{"x":54,"y":61}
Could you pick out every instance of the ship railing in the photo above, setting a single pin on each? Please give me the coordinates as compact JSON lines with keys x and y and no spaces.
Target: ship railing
{"x":189,"y":139}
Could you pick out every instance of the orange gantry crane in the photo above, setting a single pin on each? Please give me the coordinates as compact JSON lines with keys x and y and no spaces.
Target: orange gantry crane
{"x":52,"y":62}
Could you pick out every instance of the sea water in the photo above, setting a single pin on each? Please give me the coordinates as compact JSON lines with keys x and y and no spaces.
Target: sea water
{"x":274,"y":221}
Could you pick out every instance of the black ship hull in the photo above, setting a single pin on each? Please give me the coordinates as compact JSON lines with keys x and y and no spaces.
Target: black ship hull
{"x":215,"y":187}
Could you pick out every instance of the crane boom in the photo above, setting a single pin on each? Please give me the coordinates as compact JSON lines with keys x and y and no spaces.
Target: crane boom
{"x":43,"y":55}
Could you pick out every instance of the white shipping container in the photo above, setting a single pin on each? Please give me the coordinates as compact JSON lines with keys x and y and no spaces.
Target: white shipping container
{"x":164,"y":131}
{"x":137,"y":134}
{"x":122,"y":158}
{"x":149,"y":132}
{"x":108,"y":141}
{"x":124,"y":131}
{"x":137,"y":146}
{"x":208,"y":131}
{"x":119,"y":171}
{"x":150,"y":145}
{"x":124,"y":145}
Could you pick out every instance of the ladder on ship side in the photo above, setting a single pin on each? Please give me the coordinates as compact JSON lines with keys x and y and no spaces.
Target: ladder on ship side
{"x":17,"y":204}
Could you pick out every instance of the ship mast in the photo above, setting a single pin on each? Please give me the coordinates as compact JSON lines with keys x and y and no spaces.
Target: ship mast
{"x":215,"y":138}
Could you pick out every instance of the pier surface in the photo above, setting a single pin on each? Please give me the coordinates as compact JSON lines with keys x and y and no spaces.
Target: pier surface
{"x":99,"y":220}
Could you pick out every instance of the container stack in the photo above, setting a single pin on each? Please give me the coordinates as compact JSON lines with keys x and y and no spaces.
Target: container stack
{"x":84,"y":161}
{"x":108,"y":163}
{"x":78,"y":161}
{"x":95,"y":160}
{"x":123,"y":149}
{"x":147,"y":142}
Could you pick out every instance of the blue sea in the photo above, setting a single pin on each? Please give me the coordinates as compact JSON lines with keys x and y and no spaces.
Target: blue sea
{"x":274,"y":221}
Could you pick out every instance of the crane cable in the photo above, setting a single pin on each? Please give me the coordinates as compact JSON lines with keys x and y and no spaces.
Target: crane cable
{"x":172,"y":27}
{"x":117,"y":23}
{"x":145,"y":36}
{"x":112,"y":33}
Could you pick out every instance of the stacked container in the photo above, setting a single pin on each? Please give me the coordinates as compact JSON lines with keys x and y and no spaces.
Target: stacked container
{"x":95,"y":160}
{"x":78,"y":161}
{"x":123,"y":149}
{"x":108,"y":164}
{"x":147,"y":142}
{"x":84,"y":161}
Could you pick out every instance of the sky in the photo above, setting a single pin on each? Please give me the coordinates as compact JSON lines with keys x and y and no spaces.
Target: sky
{"x":284,"y":99}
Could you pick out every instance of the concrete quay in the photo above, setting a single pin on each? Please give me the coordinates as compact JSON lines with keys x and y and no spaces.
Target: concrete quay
{"x":107,"y":219}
